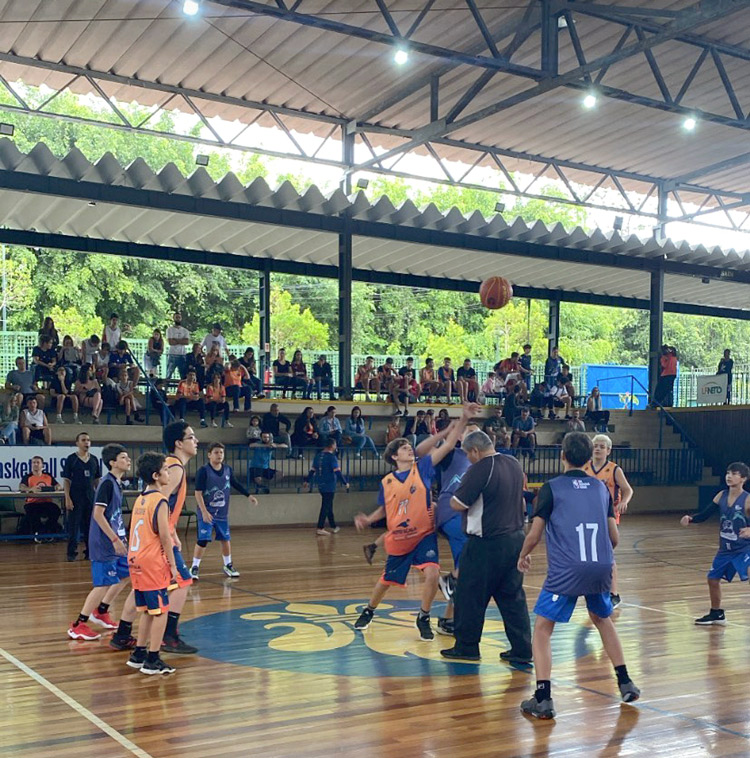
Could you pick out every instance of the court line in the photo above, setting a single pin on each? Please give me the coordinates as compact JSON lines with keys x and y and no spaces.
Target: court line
{"x":121,"y":739}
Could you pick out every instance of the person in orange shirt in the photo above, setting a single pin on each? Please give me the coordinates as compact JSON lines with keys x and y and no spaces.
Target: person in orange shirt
{"x":619,"y":489}
{"x":237,"y":382}
{"x":216,"y":400}
{"x":190,"y":396}
{"x":405,"y":502}
{"x":151,"y":563}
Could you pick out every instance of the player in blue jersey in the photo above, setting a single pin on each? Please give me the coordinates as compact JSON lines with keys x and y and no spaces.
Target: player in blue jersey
{"x":213,"y":486}
{"x":325,"y":472}
{"x":733,"y":556}
{"x":577,"y":513}
{"x":107,"y":548}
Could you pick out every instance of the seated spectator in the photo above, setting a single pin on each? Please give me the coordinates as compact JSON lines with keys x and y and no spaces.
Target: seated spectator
{"x":512,"y":405}
{"x":9,"y":414}
{"x":417,"y":429}
{"x":408,"y":367}
{"x":466,"y":382}
{"x":101,"y":362}
{"x":496,"y":429}
{"x":69,"y":356}
{"x":567,"y":379}
{"x":387,"y":376}
{"x":62,"y":392}
{"x":21,"y":382}
{"x":253,"y":430}
{"x":250,"y":365}
{"x":214,"y":365}
{"x":447,"y":379}
{"x":511,"y":367}
{"x":112,"y":333}
{"x":428,"y":381}
{"x":48,"y":330}
{"x":120,"y":357}
{"x":560,"y":398}
{"x":216,"y":402}
{"x":154,"y":352}
{"x":404,"y":390}
{"x":552,"y":367}
{"x":576,"y":422}
{"x":443,"y":420}
{"x":195,"y":361}
{"x":299,"y":376}
{"x":393,"y":432}
{"x":305,"y":432}
{"x":540,"y":399}
{"x":125,"y":388}
{"x":215,"y":339}
{"x":595,"y":413}
{"x":89,"y":392}
{"x":367,"y":378}
{"x":323,"y":377}
{"x":34,"y":426}
{"x":260,"y":463}
{"x":44,"y":357}
{"x":329,"y":427}
{"x":429,"y":420}
{"x":492,"y":386}
{"x":355,"y":431}
{"x":42,"y":513}
{"x":524,"y":436}
{"x":272,"y":423}
{"x":283,"y":373}
{"x":236,"y":382}
{"x":190,"y":396}
{"x":89,"y":349}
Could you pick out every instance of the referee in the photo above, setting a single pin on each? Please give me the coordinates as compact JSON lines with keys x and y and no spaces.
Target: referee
{"x":491,"y":499}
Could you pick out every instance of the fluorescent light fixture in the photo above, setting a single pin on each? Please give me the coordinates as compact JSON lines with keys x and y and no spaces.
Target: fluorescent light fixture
{"x":7,"y":130}
{"x":191,"y":7}
{"x":689,"y":124}
{"x":401,"y":56}
{"x":589,"y":101}
{"x":201,"y":160}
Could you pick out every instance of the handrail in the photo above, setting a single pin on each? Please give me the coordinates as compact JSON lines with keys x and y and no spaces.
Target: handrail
{"x":166,"y":415}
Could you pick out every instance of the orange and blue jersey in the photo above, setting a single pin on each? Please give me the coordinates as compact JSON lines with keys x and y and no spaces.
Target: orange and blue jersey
{"x":177,"y":498}
{"x":606,"y":474}
{"x":149,"y":568}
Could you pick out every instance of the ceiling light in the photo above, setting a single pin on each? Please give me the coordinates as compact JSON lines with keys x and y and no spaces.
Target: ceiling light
{"x":7,"y":129}
{"x":191,"y":7}
{"x":401,"y":56}
{"x":589,"y":101}
{"x":363,"y":184}
{"x":689,"y":124}
{"x":201,"y":160}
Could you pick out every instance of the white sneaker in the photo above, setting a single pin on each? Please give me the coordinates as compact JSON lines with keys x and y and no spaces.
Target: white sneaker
{"x":336,"y":530}
{"x":59,"y":420}
{"x":323,"y":533}
{"x":76,"y":420}
{"x":229,"y":424}
{"x":214,"y":424}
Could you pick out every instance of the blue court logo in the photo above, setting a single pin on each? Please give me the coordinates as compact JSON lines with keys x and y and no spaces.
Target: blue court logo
{"x":318,"y":637}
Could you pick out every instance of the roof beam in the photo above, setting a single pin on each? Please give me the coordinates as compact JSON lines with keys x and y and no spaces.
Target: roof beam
{"x":712,"y":168}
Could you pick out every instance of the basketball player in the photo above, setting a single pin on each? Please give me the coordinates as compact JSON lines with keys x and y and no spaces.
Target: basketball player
{"x":182,"y":445}
{"x":619,"y":489}
{"x":107,"y":548}
{"x":404,"y":500}
{"x":576,"y":512}
{"x":152,"y":563}
{"x":733,"y":556}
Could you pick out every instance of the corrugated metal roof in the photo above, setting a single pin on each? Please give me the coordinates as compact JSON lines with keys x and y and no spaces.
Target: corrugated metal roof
{"x":146,"y":221}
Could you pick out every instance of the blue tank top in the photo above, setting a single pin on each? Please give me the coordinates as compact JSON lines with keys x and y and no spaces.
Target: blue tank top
{"x":216,"y":487}
{"x":450,"y":479}
{"x":732,"y":519}
{"x":100,"y":546}
{"x":579,"y":551}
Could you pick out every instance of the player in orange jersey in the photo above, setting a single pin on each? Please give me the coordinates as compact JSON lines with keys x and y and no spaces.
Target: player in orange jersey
{"x":405,"y":502}
{"x":151,"y":562}
{"x":619,"y":489}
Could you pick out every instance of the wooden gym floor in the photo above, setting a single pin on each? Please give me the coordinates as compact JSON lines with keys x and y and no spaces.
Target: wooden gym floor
{"x":281,"y":672}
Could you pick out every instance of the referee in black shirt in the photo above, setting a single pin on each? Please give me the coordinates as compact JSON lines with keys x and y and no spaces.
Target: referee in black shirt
{"x":81,"y":472}
{"x":491,"y":498}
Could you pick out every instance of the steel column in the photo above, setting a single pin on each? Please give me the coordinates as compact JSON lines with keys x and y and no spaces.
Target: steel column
{"x":553,"y":331}
{"x":264,"y":311}
{"x":660,"y":230}
{"x":345,"y":308}
{"x":656,"y":327}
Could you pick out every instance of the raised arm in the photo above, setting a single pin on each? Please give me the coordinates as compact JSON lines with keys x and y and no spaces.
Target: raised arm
{"x":425,"y":446}
{"x":456,"y":430}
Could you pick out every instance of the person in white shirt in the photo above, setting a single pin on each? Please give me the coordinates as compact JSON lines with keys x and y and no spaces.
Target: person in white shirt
{"x":178,"y":338}
{"x":112,"y":332}
{"x":34,"y":424}
{"x":90,"y":349}
{"x":215,"y":339}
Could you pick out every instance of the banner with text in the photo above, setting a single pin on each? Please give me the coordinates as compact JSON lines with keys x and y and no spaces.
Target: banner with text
{"x":712,"y":390}
{"x":15,"y":462}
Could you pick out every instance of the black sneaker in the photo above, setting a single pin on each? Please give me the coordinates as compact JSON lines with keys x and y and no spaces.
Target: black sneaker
{"x":543,"y":710}
{"x":516,"y":661}
{"x":122,"y":643}
{"x":447,"y":586}
{"x":630,"y":693}
{"x":615,"y":599}
{"x":453,"y":654}
{"x":445,"y":626}
{"x":177,"y":645}
{"x":715,"y":616}
{"x":369,"y":551}
{"x":231,"y":571}
{"x":425,"y":629}
{"x":137,"y":659}
{"x":364,"y":619}
{"x":157,"y":668}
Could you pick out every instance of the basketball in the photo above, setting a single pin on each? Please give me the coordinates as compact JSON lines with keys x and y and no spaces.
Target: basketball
{"x":495,"y":292}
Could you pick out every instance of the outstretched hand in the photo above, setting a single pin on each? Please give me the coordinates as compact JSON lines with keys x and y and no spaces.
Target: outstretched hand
{"x":471,"y":409}
{"x":361,"y":522}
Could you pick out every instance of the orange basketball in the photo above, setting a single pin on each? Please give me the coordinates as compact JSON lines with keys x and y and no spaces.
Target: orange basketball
{"x":495,"y":292}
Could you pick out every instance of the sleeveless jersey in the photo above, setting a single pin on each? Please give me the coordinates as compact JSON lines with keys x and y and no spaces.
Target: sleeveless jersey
{"x":409,"y":514}
{"x":216,"y":490}
{"x":579,"y":551}
{"x":100,"y":546}
{"x":149,"y":568}
{"x":606,"y":474}
{"x":177,"y":498}
{"x":732,"y":519}
{"x":450,"y":479}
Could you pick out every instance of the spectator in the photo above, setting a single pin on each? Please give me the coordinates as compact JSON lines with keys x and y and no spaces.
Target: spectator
{"x":429,"y":420}
{"x":429,"y":384}
{"x":496,"y":429}
{"x":300,"y":377}
{"x":598,"y":417}
{"x":272,"y":423}
{"x":283,"y":373}
{"x":112,"y":332}
{"x":89,"y":392}
{"x":576,"y":423}
{"x":466,"y":381}
{"x":324,"y":471}
{"x":408,"y":367}
{"x":41,"y":509}
{"x":62,"y":391}
{"x":9,"y":416}
{"x":355,"y":431}
{"x":305,"y":431}
{"x":190,"y":397}
{"x":567,"y":379}
{"x":34,"y":424}
{"x":540,"y":399}
{"x":524,"y":436}
{"x":387,"y":376}
{"x":664,"y":392}
{"x":122,"y":357}
{"x":493,"y":386}
{"x":178,"y":338}
{"x":417,"y":429}
{"x":249,"y":364}
{"x":125,"y":388}
{"x":367,"y":378}
{"x":260,"y":462}
{"x":511,"y":367}
{"x":512,"y":405}
{"x":45,"y":360}
{"x":405,"y":390}
{"x":235,"y":376}
{"x":81,"y":471}
{"x":195,"y":361}
{"x":90,"y":349}
{"x":393,"y":432}
{"x":21,"y":381}
{"x":216,"y":401}
{"x":323,"y":377}
{"x":154,"y":352}
{"x":253,"y":430}
{"x":524,"y":363}
{"x":215,"y":339}
{"x":447,"y":379}
{"x":443,"y":420}
{"x":48,"y":330}
{"x":69,"y":356}
{"x":552,"y":367}
{"x":101,"y":362}
{"x":330,"y":426}
{"x":214,"y":365}
{"x":560,"y":398}
{"x":160,"y":400}
{"x":726,"y":366}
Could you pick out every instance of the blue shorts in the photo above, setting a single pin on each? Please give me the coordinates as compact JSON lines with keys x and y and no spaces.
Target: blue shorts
{"x":107,"y":573}
{"x":561,"y":607}
{"x":727,"y":564}
{"x":184,"y":578}
{"x":453,"y":531}
{"x":219,"y":526}
{"x":397,"y":566}
{"x":155,"y":602}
